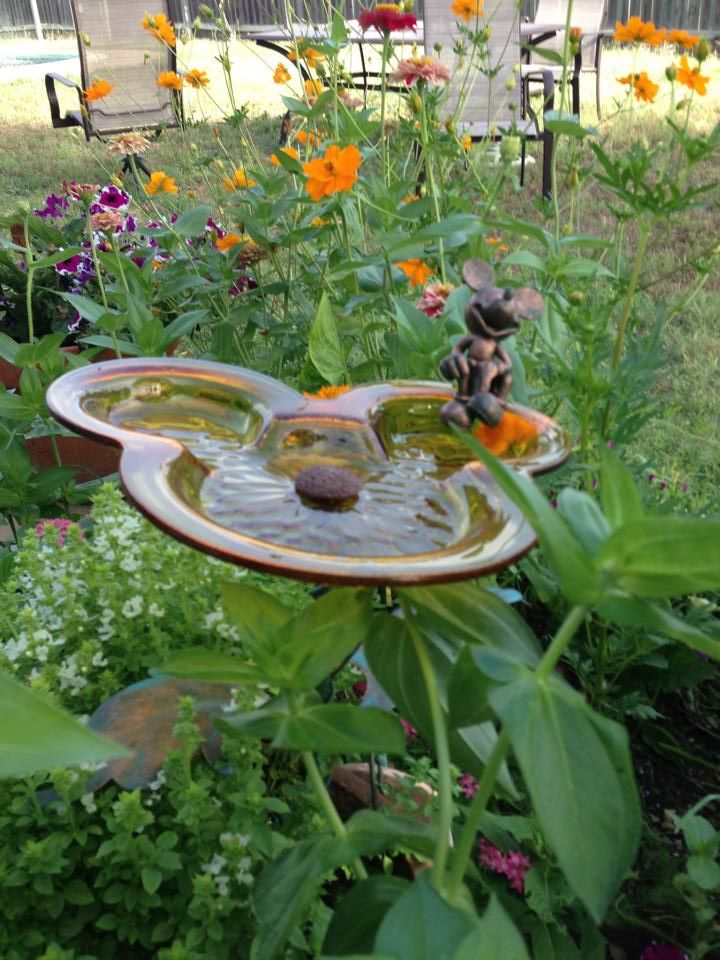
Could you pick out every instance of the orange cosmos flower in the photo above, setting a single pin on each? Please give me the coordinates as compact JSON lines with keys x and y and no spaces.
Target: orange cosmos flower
{"x":290,"y":151}
{"x":98,"y":90}
{"x":160,"y":27}
{"x":336,"y":172}
{"x":638,"y":31}
{"x":307,"y":137}
{"x":228,"y":241}
{"x":281,"y":74}
{"x":681,"y":38}
{"x":239,"y":179}
{"x":310,"y":55}
{"x":692,"y":78}
{"x":642,"y":85}
{"x":160,"y":182}
{"x":327,"y":393}
{"x":313,"y":89}
{"x":467,"y":9}
{"x":170,"y":80}
{"x":416,"y":271}
{"x":466,"y":142}
{"x":197,"y":78}
{"x":513,"y":435}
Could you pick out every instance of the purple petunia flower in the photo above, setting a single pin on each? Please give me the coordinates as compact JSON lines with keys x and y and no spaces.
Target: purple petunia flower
{"x":111,"y":197}
{"x":663,"y":951}
{"x":55,"y":206}
{"x":241,"y":285}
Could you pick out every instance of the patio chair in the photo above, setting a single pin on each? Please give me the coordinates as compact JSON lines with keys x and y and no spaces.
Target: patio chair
{"x":491,"y":109}
{"x":117,"y":51}
{"x":588,"y":15}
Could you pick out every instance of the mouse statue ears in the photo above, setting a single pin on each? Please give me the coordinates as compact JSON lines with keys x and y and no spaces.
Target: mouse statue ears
{"x":497,"y":311}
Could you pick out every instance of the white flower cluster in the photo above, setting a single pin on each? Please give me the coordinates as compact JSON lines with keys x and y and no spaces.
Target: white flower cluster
{"x":232,"y":863}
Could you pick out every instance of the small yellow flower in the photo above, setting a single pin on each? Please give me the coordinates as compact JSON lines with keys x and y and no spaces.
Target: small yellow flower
{"x":160,"y":182}
{"x":239,"y":179}
{"x":281,"y":74}
{"x":319,"y":222}
{"x":196,"y":78}
{"x":170,"y":80}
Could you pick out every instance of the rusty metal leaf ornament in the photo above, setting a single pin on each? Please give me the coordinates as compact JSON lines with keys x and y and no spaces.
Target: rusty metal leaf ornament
{"x":142,"y":717}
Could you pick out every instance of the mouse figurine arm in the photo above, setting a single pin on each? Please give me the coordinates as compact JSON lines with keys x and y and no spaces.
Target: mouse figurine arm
{"x":457,"y":366}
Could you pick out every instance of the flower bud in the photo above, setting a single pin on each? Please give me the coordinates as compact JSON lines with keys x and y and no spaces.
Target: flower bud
{"x":576,"y":297}
{"x":24,"y":208}
{"x":567,"y":229}
{"x":437,"y":47}
{"x":450,"y":126}
{"x":196,"y":24}
{"x":86,"y":41}
{"x":671,"y":72}
{"x":702,"y":50}
{"x":509,"y":149}
{"x":574,"y":178}
{"x":415,"y":103}
{"x":193,"y":147}
{"x":485,"y":34}
{"x":408,"y":6}
{"x":218,"y":164}
{"x":205,"y":11}
{"x":510,"y":84}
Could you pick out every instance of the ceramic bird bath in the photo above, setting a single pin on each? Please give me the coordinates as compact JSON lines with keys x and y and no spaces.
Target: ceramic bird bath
{"x":367,"y":488}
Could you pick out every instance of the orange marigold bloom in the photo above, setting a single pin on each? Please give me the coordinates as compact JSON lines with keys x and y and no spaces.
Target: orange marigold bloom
{"x":638,"y":31}
{"x":643,"y":87}
{"x":228,"y":241}
{"x":197,"y":78}
{"x":281,"y":74}
{"x":327,"y":393}
{"x":290,"y":151}
{"x":98,"y":90}
{"x":239,"y":179}
{"x":681,"y":38}
{"x":692,"y":78}
{"x":310,"y":55}
{"x":417,"y":272}
{"x":335,"y":172}
{"x":467,"y":9}
{"x":513,"y":435}
{"x":160,"y":27}
{"x":170,"y":80}
{"x":160,"y":182}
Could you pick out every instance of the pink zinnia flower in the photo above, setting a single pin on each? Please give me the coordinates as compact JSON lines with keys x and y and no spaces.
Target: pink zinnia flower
{"x":387,"y":17}
{"x":432,"y":302}
{"x":421,"y":68}
{"x":60,"y":524}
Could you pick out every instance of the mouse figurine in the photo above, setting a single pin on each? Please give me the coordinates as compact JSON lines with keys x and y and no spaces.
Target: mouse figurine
{"x":478,"y":362}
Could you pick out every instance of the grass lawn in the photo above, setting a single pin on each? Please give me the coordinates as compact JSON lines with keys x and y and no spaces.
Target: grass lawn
{"x":684,"y":445}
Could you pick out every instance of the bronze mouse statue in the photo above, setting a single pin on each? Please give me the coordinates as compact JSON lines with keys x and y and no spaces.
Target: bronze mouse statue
{"x":481,"y":366}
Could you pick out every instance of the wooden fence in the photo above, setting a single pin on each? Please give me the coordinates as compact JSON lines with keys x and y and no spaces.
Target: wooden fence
{"x":16,"y":15}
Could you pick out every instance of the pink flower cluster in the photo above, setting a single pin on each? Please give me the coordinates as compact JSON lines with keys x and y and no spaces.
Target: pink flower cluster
{"x":513,"y":865}
{"x":60,"y":524}
{"x":410,"y":731}
{"x":468,"y":785}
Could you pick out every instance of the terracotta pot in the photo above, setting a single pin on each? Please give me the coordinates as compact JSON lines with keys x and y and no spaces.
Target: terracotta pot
{"x":88,"y":457}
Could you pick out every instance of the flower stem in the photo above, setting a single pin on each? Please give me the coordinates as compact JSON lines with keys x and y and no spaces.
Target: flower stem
{"x":562,"y":638}
{"x":29,"y":285}
{"x":442,"y":751}
{"x":383,"y":97}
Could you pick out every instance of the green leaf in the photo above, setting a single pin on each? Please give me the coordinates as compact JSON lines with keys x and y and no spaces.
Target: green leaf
{"x":372,"y":831}
{"x":199,"y":664}
{"x":78,"y":893}
{"x":151,"y":879}
{"x":473,"y":615}
{"x":619,"y":496}
{"x":565,"y":123}
{"x":182,"y":324}
{"x":635,"y":612}
{"x":255,"y":613}
{"x":35,"y":735}
{"x":577,"y":769}
{"x":58,"y":257}
{"x":569,"y":560}
{"x":663,"y":556}
{"x":525,"y":258}
{"x":341,"y":728}
{"x":356,"y":918}
{"x":87,"y":308}
{"x":422,"y":926}
{"x":192,"y":222}
{"x":8,"y":348}
{"x":324,"y":345}
{"x":704,"y":871}
{"x":496,"y":938}
{"x":584,"y":517}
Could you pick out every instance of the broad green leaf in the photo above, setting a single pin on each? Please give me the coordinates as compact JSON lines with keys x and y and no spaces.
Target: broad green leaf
{"x":356,"y":918}
{"x":468,"y":690}
{"x":422,"y":926}
{"x":519,"y":390}
{"x":324,"y":345}
{"x":704,"y":871}
{"x":577,"y":769}
{"x":87,"y":308}
{"x":619,"y":496}
{"x":255,"y":613}
{"x":31,"y":353}
{"x":584,"y":517}
{"x":8,"y":348}
{"x":182,"y":324}
{"x":151,"y":879}
{"x":340,"y":728}
{"x":632,"y":611}
{"x":58,"y":257}
{"x":571,"y":563}
{"x":663,"y":556}
{"x":36,"y":735}
{"x":372,"y":831}
{"x":497,"y":938}
{"x":192,"y":223}
{"x":199,"y":664}
{"x":525,"y":258}
{"x":473,"y":615}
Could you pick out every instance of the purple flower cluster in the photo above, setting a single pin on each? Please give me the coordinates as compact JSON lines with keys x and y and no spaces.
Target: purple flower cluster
{"x":59,"y":523}
{"x":663,"y":951}
{"x":55,"y":206}
{"x":513,"y":865}
{"x":468,"y":785}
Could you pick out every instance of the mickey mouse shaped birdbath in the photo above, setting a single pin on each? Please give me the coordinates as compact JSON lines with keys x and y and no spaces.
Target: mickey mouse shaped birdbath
{"x":370,"y":487}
